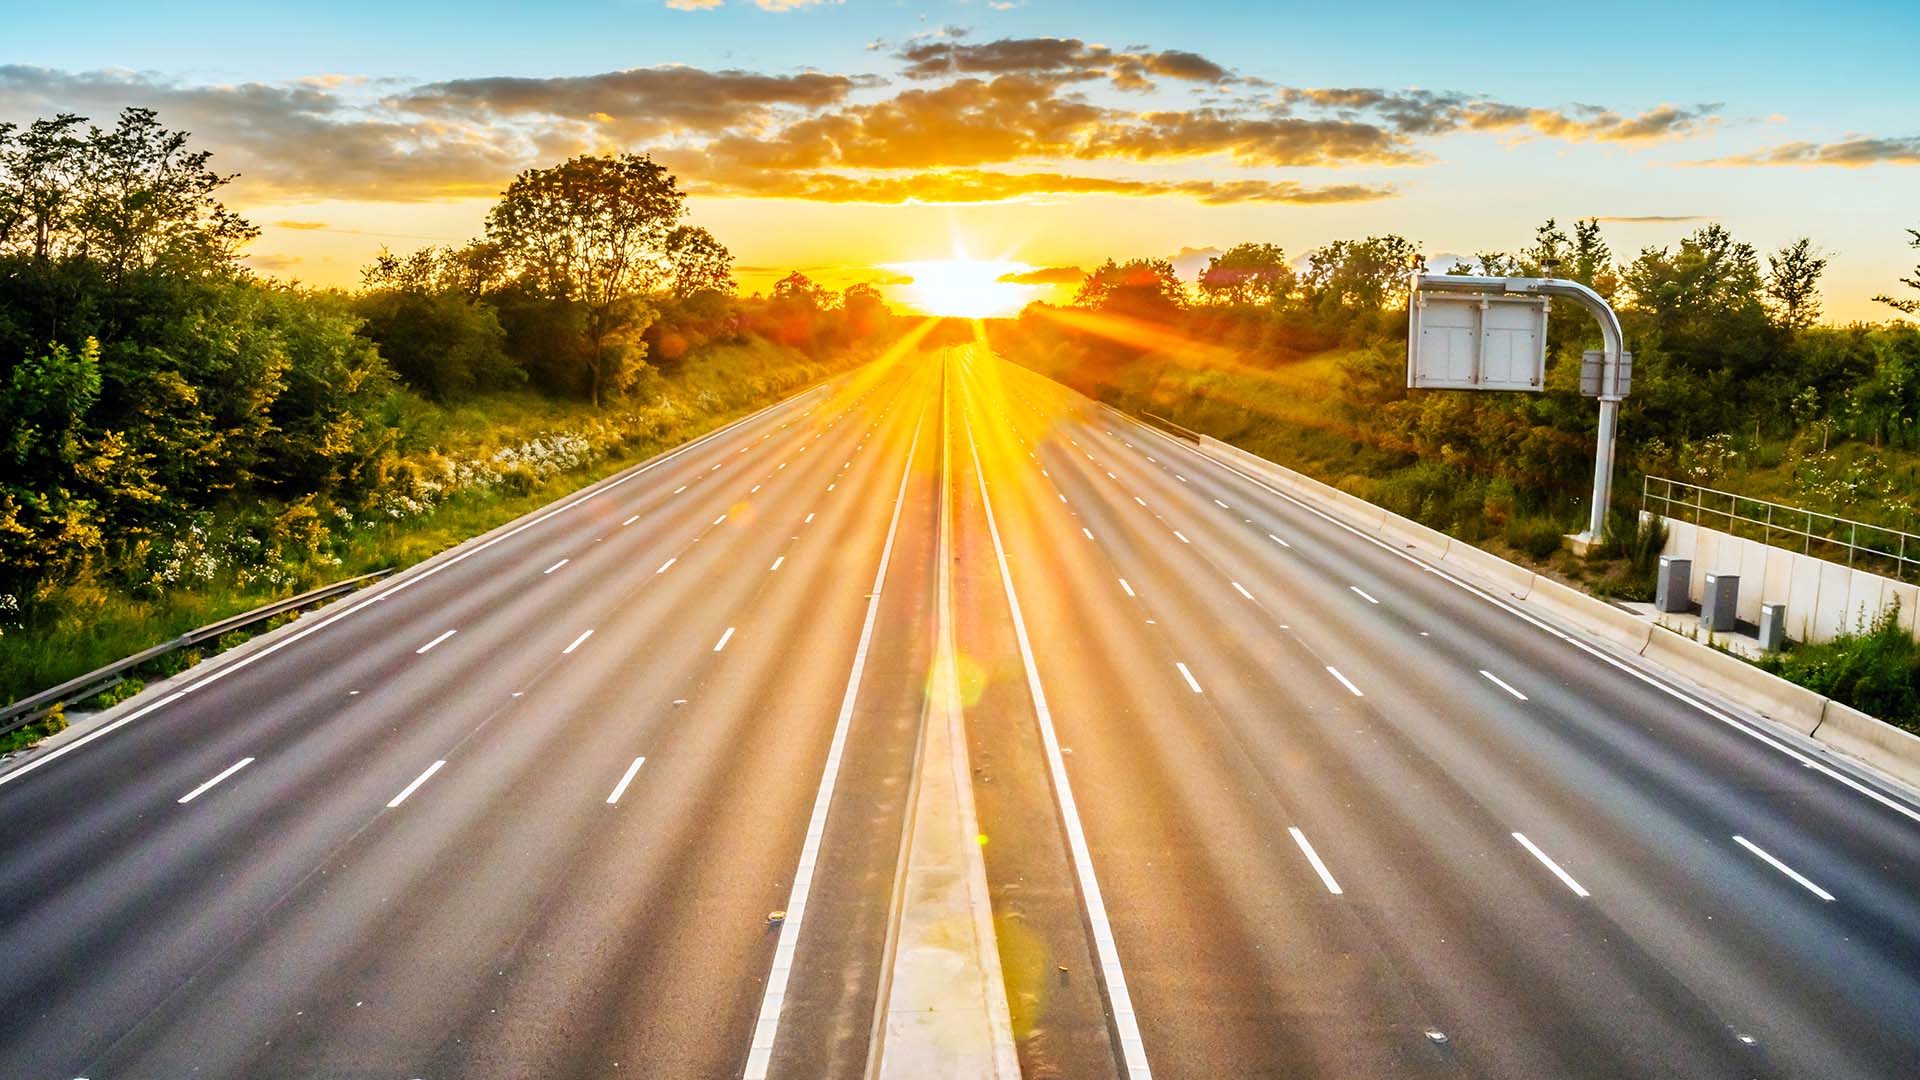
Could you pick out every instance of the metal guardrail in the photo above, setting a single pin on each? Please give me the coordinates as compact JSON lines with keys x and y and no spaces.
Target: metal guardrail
{"x":29,"y":709}
{"x":1170,"y":427}
{"x":1824,"y":536}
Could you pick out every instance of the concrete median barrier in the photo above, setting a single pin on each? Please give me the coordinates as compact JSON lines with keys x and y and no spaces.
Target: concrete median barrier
{"x":1888,"y":748}
{"x":1772,"y":696}
{"x":1591,"y":614}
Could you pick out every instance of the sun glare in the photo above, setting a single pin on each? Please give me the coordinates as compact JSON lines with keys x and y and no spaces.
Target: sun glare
{"x":965,"y":288}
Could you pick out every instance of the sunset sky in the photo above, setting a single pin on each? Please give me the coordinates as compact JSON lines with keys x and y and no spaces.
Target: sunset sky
{"x":848,"y":140}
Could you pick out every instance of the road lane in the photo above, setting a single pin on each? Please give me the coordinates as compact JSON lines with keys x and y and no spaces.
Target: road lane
{"x":502,"y":875}
{"x":1417,"y":784}
{"x":1345,"y":816}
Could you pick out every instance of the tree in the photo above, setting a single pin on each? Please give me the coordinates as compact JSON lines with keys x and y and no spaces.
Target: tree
{"x":700,"y":262}
{"x":1140,"y":288}
{"x":1246,"y":275}
{"x":1793,"y":284}
{"x":594,"y":231}
{"x":126,"y":199}
{"x":1905,"y":305}
{"x":1364,"y":275}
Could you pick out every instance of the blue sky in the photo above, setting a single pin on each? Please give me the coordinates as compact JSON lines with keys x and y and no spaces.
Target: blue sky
{"x":1765,"y":76}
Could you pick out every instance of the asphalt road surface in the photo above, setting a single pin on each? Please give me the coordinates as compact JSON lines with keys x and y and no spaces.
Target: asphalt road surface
{"x":1258,"y":796}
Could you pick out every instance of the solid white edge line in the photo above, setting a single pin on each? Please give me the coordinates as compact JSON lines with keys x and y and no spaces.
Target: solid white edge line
{"x":1326,"y":877}
{"x":1597,"y":653}
{"x":421,"y":651}
{"x":1188,"y":675}
{"x":767,"y":1027}
{"x":577,"y":642}
{"x":1502,"y":684}
{"x":1133,"y":1050}
{"x":414,"y":577}
{"x":1780,"y":866}
{"x":1565,"y":878}
{"x":724,"y":638}
{"x":246,"y":761}
{"x":626,"y":778}
{"x":415,"y":786}
{"x":1344,"y":681}
{"x":1363,"y":594}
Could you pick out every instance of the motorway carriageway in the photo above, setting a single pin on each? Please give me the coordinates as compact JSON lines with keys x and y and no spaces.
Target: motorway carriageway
{"x":1257,"y":796}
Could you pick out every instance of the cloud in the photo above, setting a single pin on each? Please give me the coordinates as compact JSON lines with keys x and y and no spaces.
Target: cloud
{"x":693,"y":5}
{"x":1428,"y":112}
{"x":636,"y":103}
{"x":975,"y":186}
{"x":1852,"y":153}
{"x":272,"y":262}
{"x":1251,"y":140}
{"x":300,"y":225}
{"x":1046,"y":275}
{"x":1057,"y":59}
{"x":977,"y":122}
{"x":285,"y":139}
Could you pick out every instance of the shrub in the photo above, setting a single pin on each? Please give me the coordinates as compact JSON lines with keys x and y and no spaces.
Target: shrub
{"x":1538,"y":537}
{"x":1876,"y":671}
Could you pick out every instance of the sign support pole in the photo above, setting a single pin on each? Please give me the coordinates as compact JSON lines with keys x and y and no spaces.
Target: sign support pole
{"x":1612,"y":381}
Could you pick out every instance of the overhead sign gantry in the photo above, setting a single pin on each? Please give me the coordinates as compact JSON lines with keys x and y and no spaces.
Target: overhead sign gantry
{"x":1468,"y":332}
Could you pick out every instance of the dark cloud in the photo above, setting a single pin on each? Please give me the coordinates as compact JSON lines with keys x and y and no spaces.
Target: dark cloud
{"x":1057,"y":59}
{"x":299,"y":139}
{"x":1853,"y":153}
{"x":1428,"y":112}
{"x":1046,"y":275}
{"x":1254,"y":140}
{"x":635,"y":103}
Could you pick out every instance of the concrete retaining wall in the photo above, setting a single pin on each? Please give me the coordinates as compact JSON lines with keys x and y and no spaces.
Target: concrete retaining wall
{"x":1824,"y":599}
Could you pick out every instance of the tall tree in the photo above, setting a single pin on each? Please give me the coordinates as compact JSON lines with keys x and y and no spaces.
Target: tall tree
{"x":700,"y":262}
{"x":1141,"y":288}
{"x":594,"y":231}
{"x":1907,"y":305}
{"x":1246,"y":275}
{"x":1793,"y":284}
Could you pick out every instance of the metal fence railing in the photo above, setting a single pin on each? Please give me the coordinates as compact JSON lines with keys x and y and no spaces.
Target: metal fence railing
{"x":29,"y":709}
{"x":1858,"y":544}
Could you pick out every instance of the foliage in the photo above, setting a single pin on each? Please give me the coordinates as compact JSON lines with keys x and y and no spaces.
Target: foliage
{"x":1875,"y":670}
{"x":1247,"y":275}
{"x":1141,"y":289}
{"x":1906,"y":305}
{"x":180,"y":440}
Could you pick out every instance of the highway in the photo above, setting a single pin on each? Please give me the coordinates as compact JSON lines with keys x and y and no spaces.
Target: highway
{"x":1257,"y":796}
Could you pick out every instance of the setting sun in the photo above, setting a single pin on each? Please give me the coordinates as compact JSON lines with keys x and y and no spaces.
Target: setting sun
{"x":965,"y":288}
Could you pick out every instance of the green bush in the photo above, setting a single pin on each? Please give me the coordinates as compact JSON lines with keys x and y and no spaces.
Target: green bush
{"x":1538,"y":537}
{"x":1876,"y":671}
